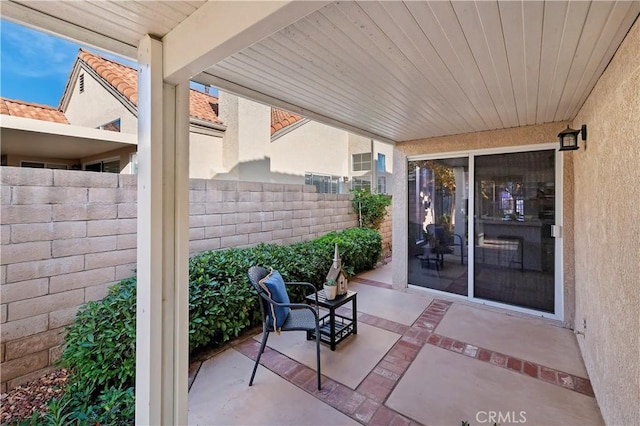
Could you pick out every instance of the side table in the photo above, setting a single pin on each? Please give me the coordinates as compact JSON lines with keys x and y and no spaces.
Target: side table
{"x":335,"y":328}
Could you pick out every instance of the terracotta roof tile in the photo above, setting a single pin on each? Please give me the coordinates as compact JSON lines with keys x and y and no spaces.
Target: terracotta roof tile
{"x":125,"y":80}
{"x":202,"y":105}
{"x":281,"y":119}
{"x":24,"y":109}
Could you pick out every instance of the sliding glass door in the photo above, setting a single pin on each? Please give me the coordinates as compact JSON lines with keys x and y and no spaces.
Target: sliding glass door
{"x":438,"y":203}
{"x":514,"y":214}
{"x":509,"y":240}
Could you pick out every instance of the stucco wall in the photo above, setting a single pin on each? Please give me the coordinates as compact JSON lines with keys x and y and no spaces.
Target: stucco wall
{"x":67,"y":235}
{"x":520,"y":136}
{"x":96,"y":106}
{"x":312,"y":147}
{"x":245,"y":151}
{"x":607,"y":235}
{"x":205,"y":155}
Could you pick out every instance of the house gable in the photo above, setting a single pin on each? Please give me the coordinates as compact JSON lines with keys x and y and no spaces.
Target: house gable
{"x":89,"y":101}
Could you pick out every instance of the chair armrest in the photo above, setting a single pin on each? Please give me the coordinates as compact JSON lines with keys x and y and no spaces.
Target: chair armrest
{"x":300,"y":283}
{"x":295,"y":306}
{"x":454,"y":239}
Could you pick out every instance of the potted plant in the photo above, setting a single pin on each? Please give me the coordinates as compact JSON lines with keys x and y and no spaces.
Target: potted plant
{"x":330,"y":289}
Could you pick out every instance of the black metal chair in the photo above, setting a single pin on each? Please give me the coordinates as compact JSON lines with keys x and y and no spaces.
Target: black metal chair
{"x":442,"y":245}
{"x":301,"y":318}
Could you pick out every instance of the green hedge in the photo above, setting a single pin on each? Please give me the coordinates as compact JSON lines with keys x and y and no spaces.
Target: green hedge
{"x":100,"y":351}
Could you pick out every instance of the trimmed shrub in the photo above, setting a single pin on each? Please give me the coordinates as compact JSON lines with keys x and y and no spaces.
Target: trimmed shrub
{"x":100,"y":354}
{"x":100,"y":350}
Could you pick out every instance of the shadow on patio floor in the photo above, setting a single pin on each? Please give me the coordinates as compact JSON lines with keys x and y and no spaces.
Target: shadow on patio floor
{"x":415,"y":360}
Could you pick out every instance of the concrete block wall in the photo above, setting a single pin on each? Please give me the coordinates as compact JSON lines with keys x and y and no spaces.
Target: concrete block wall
{"x":386,"y":233}
{"x":66,"y":236}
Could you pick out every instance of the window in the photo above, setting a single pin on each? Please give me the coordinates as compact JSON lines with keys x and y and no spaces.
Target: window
{"x":38,"y":165}
{"x":107,"y":166}
{"x":381,"y":166}
{"x":382,"y":185}
{"x":32,"y":164}
{"x":81,"y":83}
{"x":112,"y":126}
{"x":324,"y":184}
{"x":359,"y":183}
{"x":362,"y":162}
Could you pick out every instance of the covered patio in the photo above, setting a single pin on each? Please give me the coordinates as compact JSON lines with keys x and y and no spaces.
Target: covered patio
{"x":430,"y":77}
{"x":417,"y":359}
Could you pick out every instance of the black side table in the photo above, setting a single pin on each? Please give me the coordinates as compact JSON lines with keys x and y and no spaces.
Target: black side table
{"x":335,"y":328}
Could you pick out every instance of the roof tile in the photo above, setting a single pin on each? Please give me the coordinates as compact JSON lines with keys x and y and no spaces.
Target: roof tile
{"x":125,"y":80}
{"x":281,"y":119}
{"x":24,"y":109}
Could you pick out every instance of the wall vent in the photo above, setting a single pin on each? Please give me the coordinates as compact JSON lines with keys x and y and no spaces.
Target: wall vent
{"x":81,"y":83}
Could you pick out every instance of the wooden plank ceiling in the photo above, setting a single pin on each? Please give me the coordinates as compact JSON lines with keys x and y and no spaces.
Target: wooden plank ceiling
{"x":409,"y":70}
{"x":399,"y":70}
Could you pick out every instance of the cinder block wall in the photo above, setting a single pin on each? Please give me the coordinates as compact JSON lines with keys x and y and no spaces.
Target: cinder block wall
{"x":386,"y":232}
{"x":66,"y":236}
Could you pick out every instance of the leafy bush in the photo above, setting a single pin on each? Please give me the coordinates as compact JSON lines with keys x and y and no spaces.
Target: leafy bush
{"x":370,"y":207}
{"x":100,"y":351}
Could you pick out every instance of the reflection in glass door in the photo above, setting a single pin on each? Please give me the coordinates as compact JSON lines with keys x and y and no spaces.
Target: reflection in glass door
{"x":438,"y":209}
{"x":514,"y":212}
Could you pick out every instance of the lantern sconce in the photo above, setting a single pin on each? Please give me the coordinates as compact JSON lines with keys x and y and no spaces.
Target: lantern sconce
{"x":569,"y":138}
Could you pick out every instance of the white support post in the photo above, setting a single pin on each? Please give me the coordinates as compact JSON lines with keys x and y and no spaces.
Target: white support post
{"x":163,"y":244}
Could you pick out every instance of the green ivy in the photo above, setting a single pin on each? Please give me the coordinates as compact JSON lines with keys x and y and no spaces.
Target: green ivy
{"x":100,"y":350}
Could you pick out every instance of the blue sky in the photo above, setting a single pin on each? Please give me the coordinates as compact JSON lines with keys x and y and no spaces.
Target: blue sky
{"x":35,"y":66}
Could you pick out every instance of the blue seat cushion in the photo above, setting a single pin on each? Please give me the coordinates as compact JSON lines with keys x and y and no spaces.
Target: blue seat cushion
{"x":273,"y":285}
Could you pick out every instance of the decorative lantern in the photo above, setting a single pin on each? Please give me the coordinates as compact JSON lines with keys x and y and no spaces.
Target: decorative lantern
{"x":569,"y":138}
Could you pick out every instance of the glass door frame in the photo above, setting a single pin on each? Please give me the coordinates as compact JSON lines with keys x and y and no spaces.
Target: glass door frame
{"x":558,"y":313}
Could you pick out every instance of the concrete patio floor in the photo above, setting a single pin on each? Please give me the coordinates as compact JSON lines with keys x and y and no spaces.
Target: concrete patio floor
{"x":417,"y":359}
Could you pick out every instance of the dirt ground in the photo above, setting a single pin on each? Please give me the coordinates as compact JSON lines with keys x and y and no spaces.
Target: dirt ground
{"x":21,"y":402}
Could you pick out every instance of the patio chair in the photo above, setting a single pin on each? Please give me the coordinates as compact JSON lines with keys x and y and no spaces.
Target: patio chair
{"x":441,"y":245}
{"x":301,"y":317}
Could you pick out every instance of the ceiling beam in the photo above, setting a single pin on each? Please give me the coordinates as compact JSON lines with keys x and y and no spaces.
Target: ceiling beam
{"x":24,"y":15}
{"x":231,"y":87}
{"x":219,"y":29}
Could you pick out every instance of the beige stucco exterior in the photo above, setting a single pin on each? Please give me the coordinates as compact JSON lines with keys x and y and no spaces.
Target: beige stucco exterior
{"x":607,"y":235}
{"x":204,"y":155}
{"x":249,"y":152}
{"x":97,"y":105}
{"x":246,"y":141}
{"x":311,"y":147}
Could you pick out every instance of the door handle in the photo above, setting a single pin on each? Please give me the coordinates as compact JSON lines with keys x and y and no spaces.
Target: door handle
{"x":556,"y":231}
